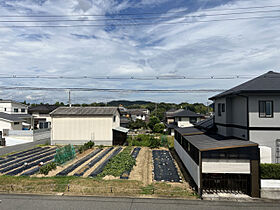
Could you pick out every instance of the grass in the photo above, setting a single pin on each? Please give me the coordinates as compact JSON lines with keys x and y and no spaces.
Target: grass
{"x":91,"y":186}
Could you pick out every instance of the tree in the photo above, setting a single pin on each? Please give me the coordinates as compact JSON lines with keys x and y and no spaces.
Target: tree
{"x":137,"y":124}
{"x":153,"y":121}
{"x":159,"y":128}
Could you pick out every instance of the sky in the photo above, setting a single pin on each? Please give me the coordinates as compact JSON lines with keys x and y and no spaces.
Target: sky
{"x":150,"y":44}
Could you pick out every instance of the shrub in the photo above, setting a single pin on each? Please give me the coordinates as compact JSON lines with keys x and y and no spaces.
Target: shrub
{"x":270,"y":171}
{"x":152,"y":122}
{"x":100,"y":146}
{"x":45,"y":169}
{"x":154,"y":142}
{"x":86,"y":146}
{"x":159,"y":128}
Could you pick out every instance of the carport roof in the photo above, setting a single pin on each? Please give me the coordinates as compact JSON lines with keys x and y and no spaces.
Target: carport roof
{"x":205,"y":141}
{"x":84,"y":111}
{"x":10,"y":117}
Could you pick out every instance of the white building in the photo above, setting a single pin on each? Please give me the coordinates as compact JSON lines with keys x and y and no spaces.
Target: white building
{"x":13,"y":116}
{"x":41,"y":115}
{"x":251,"y":111}
{"x":77,"y":125}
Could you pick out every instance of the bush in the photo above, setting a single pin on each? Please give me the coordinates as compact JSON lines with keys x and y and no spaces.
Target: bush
{"x":86,"y":146}
{"x":154,"y":142}
{"x":45,"y":169}
{"x":152,"y":122}
{"x":159,"y":128}
{"x":270,"y":171}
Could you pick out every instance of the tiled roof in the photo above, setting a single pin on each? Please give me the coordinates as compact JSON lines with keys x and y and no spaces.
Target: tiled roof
{"x":266,"y":83}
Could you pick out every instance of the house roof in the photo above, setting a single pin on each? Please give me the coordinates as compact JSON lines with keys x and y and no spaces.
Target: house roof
{"x":185,"y":113}
{"x":42,"y":109}
{"x":84,"y":111}
{"x":136,"y":111}
{"x":206,"y":141}
{"x":10,"y":117}
{"x":266,"y":83}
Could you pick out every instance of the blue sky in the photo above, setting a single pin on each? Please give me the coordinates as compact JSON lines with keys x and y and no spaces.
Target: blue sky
{"x":245,"y":47}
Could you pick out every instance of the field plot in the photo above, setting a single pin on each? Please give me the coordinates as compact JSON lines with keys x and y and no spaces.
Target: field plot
{"x":164,"y":167}
{"x":97,"y":171}
{"x":21,"y":162}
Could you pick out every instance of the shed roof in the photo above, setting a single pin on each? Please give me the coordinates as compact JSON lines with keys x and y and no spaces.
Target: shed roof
{"x":84,"y":111}
{"x":43,"y":109}
{"x":185,"y":113}
{"x":205,"y":141}
{"x":266,"y":83}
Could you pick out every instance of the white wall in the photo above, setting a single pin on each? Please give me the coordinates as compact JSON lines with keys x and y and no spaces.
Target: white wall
{"x":226,"y":166}
{"x":5,"y":125}
{"x":10,"y":106}
{"x":192,"y":167}
{"x":83,"y":129}
{"x":266,"y":138}
{"x":265,"y":154}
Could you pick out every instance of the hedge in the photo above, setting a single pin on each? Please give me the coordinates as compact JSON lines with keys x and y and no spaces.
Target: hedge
{"x":270,"y":171}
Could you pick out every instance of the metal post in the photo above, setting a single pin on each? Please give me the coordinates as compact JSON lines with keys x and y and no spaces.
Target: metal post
{"x":69,"y":98}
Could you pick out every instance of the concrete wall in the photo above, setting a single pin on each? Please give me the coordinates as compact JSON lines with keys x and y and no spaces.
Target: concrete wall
{"x":77,"y":130}
{"x":33,"y":135}
{"x":226,"y":166}
{"x":265,"y":154}
{"x":192,"y":167}
{"x":5,"y":125}
{"x":270,"y":188}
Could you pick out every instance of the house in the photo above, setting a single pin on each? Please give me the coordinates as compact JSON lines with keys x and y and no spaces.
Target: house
{"x":251,"y":111}
{"x":180,"y":118}
{"x":128,"y":115}
{"x":217,"y":163}
{"x":41,"y":115}
{"x":77,"y":125}
{"x":14,"y":116}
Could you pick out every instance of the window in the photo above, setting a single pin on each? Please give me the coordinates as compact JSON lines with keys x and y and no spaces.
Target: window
{"x":114,"y":119}
{"x":265,"y":109}
{"x":22,"y":110}
{"x":16,"y":110}
{"x":193,"y":120}
{"x":219,"y":110}
{"x":5,"y":109}
{"x":179,"y":119}
{"x":16,"y":123}
{"x":223,"y":107}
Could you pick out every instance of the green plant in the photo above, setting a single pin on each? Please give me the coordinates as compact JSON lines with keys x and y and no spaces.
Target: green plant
{"x":270,"y":171}
{"x":153,"y":121}
{"x":154,"y":142}
{"x":101,"y":146}
{"x":159,"y":128}
{"x":45,"y":169}
{"x":86,"y":146}
{"x":119,"y":164}
{"x":81,"y":149}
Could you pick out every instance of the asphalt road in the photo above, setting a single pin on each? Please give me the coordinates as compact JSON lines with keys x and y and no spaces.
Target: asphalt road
{"x":35,"y":202}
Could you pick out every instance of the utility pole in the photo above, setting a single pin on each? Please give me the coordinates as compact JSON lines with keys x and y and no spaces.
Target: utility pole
{"x":69,"y":98}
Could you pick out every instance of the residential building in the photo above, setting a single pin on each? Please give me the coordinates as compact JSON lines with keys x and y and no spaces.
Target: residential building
{"x":14,"y":116}
{"x":251,"y":111}
{"x":41,"y":115}
{"x":77,"y":125}
{"x":128,"y":115}
{"x":180,"y":118}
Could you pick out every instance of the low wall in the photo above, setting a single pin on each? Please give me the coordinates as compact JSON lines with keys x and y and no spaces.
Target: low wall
{"x":270,"y":188}
{"x":80,"y":142}
{"x":33,"y":135}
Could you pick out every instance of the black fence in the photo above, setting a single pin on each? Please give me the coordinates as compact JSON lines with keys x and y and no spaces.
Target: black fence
{"x":228,"y":183}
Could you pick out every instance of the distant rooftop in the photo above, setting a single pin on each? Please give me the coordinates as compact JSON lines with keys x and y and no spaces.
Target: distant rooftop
{"x":182,"y":113}
{"x":266,"y":83}
{"x":43,"y":109}
{"x":84,"y":111}
{"x":11,"y":101}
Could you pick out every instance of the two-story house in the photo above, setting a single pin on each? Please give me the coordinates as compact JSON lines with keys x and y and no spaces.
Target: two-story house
{"x":14,"y":116}
{"x":180,"y":118}
{"x":251,"y":111}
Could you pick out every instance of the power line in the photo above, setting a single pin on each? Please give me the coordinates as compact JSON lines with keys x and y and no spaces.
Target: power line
{"x":137,"y":14}
{"x":135,"y":18}
{"x":138,"y":24}
{"x":168,"y":77}
{"x":119,"y":90}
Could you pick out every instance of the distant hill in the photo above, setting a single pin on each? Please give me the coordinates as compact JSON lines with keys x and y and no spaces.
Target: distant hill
{"x":126,"y":103}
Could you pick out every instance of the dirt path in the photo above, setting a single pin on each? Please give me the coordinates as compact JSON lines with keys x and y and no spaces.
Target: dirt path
{"x":143,"y":169}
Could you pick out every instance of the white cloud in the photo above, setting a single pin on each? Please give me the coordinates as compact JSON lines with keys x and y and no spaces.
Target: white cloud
{"x":195,"y":49}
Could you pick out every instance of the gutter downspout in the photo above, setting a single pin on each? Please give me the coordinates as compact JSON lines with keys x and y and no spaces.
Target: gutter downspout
{"x":247,"y":107}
